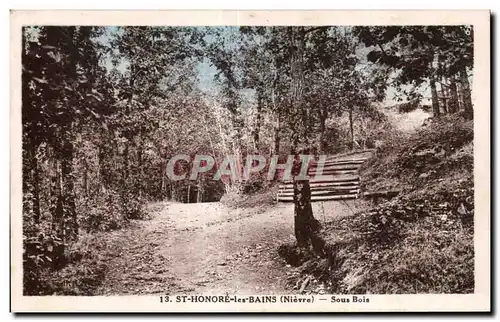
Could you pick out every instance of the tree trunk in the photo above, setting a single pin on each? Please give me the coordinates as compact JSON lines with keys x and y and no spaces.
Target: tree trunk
{"x":34,"y":178}
{"x":363,"y":132}
{"x":69,"y":212}
{"x":36,"y":192}
{"x":303,"y":212}
{"x":435,"y":102}
{"x":56,"y":201}
{"x":322,"y":129}
{"x":188,"y":193}
{"x":441,"y":67}
{"x":85,"y":177}
{"x":106,"y":155}
{"x":125,"y":164}
{"x":351,"y":128}
{"x":460,"y":96}
{"x":276,"y":109}
{"x":31,"y":179}
{"x":277,"y":135}
{"x":128,"y":135}
{"x":30,"y":169}
{"x":464,"y":81}
{"x":454,"y":107}
{"x":172,"y":192}
{"x":433,"y":71}
{"x":444,"y":97}
{"x":162,"y":178}
{"x":305,"y":223}
{"x":140,"y":165}
{"x":199,"y":194}
{"x":256,"y":132}
{"x":306,"y":226}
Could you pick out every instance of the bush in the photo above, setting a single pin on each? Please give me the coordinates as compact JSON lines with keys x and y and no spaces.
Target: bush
{"x":262,"y":198}
{"x":409,"y":245}
{"x":132,"y":206}
{"x":102,"y":212}
{"x":408,"y":107}
{"x":422,"y":241}
{"x":42,"y":253}
{"x":109,"y":210}
{"x":433,"y":152}
{"x":53,"y":268}
{"x":85,"y":269}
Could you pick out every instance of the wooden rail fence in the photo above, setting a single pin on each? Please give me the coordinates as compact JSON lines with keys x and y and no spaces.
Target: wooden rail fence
{"x":343,"y":182}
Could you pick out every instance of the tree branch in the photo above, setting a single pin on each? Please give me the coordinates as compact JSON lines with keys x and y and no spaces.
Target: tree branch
{"x":382,"y":49}
{"x":315,"y":28}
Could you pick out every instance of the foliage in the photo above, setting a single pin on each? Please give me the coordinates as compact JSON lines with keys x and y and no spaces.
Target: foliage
{"x":50,"y":269}
{"x":261,"y":197}
{"x":105,"y":108}
{"x":420,"y":241}
{"x":414,"y":244}
{"x":436,"y":151}
{"x":419,"y":55}
{"x":85,"y":126}
{"x":40,"y":253}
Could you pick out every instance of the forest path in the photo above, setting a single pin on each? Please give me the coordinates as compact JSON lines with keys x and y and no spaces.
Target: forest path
{"x":205,"y":248}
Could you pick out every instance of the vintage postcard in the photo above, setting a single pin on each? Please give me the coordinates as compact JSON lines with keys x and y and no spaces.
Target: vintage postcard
{"x":250,"y":161}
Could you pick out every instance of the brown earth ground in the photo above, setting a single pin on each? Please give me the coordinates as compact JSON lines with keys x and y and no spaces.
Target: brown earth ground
{"x":207,"y":248}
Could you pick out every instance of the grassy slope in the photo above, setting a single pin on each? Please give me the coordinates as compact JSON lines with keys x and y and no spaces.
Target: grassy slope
{"x":420,"y":241}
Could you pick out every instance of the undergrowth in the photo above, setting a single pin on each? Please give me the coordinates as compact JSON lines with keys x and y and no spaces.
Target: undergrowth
{"x":261,"y":197}
{"x":434,"y":152}
{"x":78,"y":269}
{"x":422,"y":241}
{"x":54,"y":267}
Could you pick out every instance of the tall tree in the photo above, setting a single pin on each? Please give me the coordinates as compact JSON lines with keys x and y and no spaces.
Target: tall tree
{"x":306,"y":226}
{"x":413,"y":53}
{"x":61,"y":73}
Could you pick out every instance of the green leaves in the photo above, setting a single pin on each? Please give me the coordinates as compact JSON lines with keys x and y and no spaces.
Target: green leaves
{"x":410,"y":51}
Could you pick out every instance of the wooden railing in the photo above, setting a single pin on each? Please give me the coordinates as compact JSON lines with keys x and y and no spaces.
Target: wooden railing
{"x":343,"y":182}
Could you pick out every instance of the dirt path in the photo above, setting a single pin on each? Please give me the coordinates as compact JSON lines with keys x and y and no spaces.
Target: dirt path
{"x":205,"y":248}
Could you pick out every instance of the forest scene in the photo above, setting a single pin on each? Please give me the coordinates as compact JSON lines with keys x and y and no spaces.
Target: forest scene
{"x":104,"y":109}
